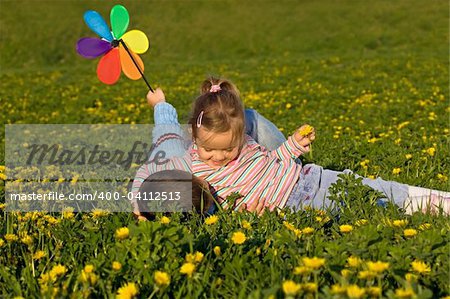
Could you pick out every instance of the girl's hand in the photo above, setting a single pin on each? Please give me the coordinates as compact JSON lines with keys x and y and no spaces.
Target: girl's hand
{"x":156,"y":97}
{"x":305,"y":135}
{"x":257,"y":206}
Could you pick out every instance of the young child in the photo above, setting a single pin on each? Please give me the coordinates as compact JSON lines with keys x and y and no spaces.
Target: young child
{"x":231,"y":161}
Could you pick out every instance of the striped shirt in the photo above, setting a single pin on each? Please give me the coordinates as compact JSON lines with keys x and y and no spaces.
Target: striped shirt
{"x":255,"y":174}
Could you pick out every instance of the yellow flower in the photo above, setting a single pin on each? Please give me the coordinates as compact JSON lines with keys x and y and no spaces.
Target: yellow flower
{"x":310,"y":287}
{"x":408,"y":156}
{"x":27,"y":240}
{"x":404,"y":293}
{"x":288,"y":225}
{"x":11,"y":237}
{"x":188,"y":269}
{"x":374,"y":291}
{"x":122,"y":233}
{"x":361,"y":222}
{"x":2,"y":206}
{"x":424,"y":226}
{"x":38,"y":255}
{"x":57,"y":270}
{"x":338,"y":289}
{"x":211,"y":220}
{"x":377,"y":266}
{"x":420,"y":267}
{"x":127,"y":291}
{"x":396,"y":170}
{"x":400,"y":223}
{"x":238,"y":238}
{"x":246,"y":225}
{"x":430,"y":151}
{"x":162,"y":278}
{"x":301,"y":270}
{"x":164,"y":220}
{"x":354,"y":291}
{"x":313,"y":263}
{"x":2,"y":242}
{"x":366,"y":275}
{"x":305,"y":130}
{"x":410,"y":277}
{"x":116,"y":266}
{"x":353,"y":261}
{"x":217,"y":250}
{"x":442,"y":177}
{"x":290,"y":288}
{"x":97,"y":213}
{"x":345,"y":273}
{"x":307,"y":230}
{"x":410,"y":232}
{"x":88,"y":268}
{"x":345,"y":228}
{"x":195,"y":257}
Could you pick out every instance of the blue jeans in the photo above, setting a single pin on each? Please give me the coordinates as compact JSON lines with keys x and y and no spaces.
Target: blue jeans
{"x":314,"y":181}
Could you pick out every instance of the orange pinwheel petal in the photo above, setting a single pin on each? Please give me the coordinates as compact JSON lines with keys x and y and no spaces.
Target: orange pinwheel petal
{"x":128,"y":66}
{"x":108,"y":68}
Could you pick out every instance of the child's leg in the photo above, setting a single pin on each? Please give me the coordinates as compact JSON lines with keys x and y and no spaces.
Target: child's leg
{"x":262,"y":130}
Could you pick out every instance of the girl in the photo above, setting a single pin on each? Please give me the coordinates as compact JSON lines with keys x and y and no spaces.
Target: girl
{"x":231,"y":161}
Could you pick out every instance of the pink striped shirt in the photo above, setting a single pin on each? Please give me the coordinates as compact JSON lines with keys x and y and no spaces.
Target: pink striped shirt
{"x":256,"y":173}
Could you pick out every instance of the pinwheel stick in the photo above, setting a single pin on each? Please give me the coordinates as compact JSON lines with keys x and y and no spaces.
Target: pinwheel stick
{"x":135,"y":63}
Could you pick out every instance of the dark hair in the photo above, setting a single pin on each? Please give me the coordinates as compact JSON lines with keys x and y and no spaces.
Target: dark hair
{"x":222,"y":110}
{"x":171,"y":181}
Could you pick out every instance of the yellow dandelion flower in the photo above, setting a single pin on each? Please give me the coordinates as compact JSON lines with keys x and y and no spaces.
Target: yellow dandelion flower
{"x":345,"y":228}
{"x":97,"y":213}
{"x":2,"y":206}
{"x":122,"y":233}
{"x":354,"y":291}
{"x":217,"y":251}
{"x":127,"y":291}
{"x":400,"y":223}
{"x":404,"y":293}
{"x":57,"y":270}
{"x":11,"y":237}
{"x":410,"y":277}
{"x":305,"y":130}
{"x":338,"y":289}
{"x":238,"y":238}
{"x":198,"y":256}
{"x":346,"y":273}
{"x":38,"y":255}
{"x":288,"y":225}
{"x":211,"y":220}
{"x":313,"y":263}
{"x":164,"y":220}
{"x":2,"y":242}
{"x":353,"y":261}
{"x":161,"y":278}
{"x":410,"y":232}
{"x":27,"y":240}
{"x":430,"y":151}
{"x":378,"y":266}
{"x":301,"y":270}
{"x":246,"y":225}
{"x":116,"y":266}
{"x":408,"y":156}
{"x":396,"y":170}
{"x":310,"y":287}
{"x":188,"y":269}
{"x":89,"y":268}
{"x":290,"y":288}
{"x":424,"y":226}
{"x":307,"y":230}
{"x":374,"y":291}
{"x":366,"y":274}
{"x":420,"y":267}
{"x":442,"y":177}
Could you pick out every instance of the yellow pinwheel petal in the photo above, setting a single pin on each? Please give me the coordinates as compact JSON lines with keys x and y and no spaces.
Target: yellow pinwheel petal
{"x":136,"y":41}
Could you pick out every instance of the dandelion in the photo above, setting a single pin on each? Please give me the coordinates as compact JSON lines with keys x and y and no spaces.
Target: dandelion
{"x":404,"y":293}
{"x":188,"y":269}
{"x":313,"y":263}
{"x":246,"y":225}
{"x":305,"y":130}
{"x":430,"y":151}
{"x":38,"y":255}
{"x":290,"y":288}
{"x":301,"y":270}
{"x":410,"y":277}
{"x":410,"y":232}
{"x":310,"y":287}
{"x":161,"y":278}
{"x":400,"y":223}
{"x":378,"y":266}
{"x":122,"y":233}
{"x":420,"y":267}
{"x":211,"y":220}
{"x":164,"y":220}
{"x":338,"y":289}
{"x":366,"y":274}
{"x":374,"y":291}
{"x":195,"y":257}
{"x":57,"y":270}
{"x":408,"y":156}
{"x":116,"y":266}
{"x":424,"y":226}
{"x":307,"y":230}
{"x":27,"y":240}
{"x":2,"y":206}
{"x":2,"y":242}
{"x":127,"y":291}
{"x":238,"y":238}
{"x":346,"y":273}
{"x":217,"y":251}
{"x":353,"y":261}
{"x":354,"y":291}
{"x":97,"y":213}
{"x":442,"y":177}
{"x":11,"y":237}
{"x":345,"y":228}
{"x":288,"y":225}
{"x":88,"y":268}
{"x":396,"y":171}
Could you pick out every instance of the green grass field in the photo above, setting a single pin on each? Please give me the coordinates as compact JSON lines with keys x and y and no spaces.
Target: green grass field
{"x":371,"y":77}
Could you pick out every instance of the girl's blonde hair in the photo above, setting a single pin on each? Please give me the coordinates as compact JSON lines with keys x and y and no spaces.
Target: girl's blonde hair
{"x":219,"y":111}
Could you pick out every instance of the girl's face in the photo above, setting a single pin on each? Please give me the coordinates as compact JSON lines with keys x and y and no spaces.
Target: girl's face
{"x":216,"y":149}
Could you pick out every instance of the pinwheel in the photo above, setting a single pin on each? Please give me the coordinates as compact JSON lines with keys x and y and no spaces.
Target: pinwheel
{"x":118,"y":47}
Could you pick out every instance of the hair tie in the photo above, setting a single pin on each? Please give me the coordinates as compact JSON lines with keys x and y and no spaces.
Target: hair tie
{"x":215,"y":88}
{"x":199,"y":119}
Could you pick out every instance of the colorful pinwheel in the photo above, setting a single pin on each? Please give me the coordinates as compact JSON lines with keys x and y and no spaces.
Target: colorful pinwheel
{"x":120,"y":49}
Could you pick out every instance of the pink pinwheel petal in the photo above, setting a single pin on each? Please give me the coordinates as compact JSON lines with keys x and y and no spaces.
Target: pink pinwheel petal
{"x":108,"y":68}
{"x":90,"y":47}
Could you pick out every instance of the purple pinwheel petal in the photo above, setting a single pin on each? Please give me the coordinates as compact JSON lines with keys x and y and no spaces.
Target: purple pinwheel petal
{"x":90,"y":47}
